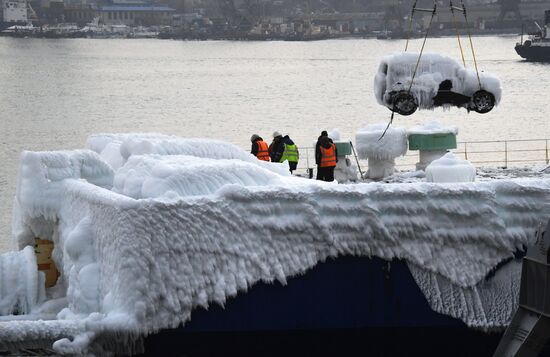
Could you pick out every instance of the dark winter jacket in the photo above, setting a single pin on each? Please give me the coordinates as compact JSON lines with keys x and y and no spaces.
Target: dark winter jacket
{"x":325,"y":142}
{"x":254,"y":150}
{"x":276,"y":149}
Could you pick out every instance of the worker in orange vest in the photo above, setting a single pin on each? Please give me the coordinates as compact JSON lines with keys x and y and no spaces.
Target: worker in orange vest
{"x":259,"y":148}
{"x":326,"y":157}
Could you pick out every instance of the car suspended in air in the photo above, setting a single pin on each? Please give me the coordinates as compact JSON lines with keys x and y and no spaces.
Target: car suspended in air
{"x":406,"y":82}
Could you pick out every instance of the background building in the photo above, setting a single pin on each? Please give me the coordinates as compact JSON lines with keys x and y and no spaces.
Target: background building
{"x":136,"y":15}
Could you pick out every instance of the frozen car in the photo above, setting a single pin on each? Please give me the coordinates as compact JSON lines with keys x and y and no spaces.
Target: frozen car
{"x":439,"y":81}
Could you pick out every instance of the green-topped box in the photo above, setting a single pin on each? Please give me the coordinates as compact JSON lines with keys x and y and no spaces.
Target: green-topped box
{"x":344,"y":148}
{"x":432,"y":142}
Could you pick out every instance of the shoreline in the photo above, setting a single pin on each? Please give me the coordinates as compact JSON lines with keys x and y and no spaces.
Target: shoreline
{"x":249,"y":37}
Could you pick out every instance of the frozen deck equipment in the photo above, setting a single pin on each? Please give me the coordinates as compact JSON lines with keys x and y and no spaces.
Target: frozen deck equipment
{"x":529,"y":330}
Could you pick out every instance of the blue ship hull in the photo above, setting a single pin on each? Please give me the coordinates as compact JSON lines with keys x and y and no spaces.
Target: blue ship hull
{"x":346,"y":306}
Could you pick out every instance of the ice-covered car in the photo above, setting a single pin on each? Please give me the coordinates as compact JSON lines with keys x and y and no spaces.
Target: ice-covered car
{"x":439,"y":81}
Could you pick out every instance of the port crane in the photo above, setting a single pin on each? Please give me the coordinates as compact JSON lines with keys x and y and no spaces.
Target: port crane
{"x":509,"y":6}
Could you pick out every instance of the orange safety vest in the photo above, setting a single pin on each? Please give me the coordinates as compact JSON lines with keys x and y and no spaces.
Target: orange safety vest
{"x":328,"y":156}
{"x":263,"y":154}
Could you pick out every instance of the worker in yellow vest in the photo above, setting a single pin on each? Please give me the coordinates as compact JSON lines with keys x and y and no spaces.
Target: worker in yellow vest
{"x":290,"y":153}
{"x":326,"y":157}
{"x":283,"y":149}
{"x":259,"y":148}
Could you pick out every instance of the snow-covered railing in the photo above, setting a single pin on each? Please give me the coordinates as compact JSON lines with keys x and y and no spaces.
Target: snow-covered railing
{"x":505,"y":151}
{"x":480,"y":153}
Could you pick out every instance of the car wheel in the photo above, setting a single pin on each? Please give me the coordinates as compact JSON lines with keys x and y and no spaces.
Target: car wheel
{"x":404,"y":103}
{"x":482,"y":101}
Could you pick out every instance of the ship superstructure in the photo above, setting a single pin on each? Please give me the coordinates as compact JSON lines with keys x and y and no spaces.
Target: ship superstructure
{"x":14,"y":12}
{"x":537,"y":47}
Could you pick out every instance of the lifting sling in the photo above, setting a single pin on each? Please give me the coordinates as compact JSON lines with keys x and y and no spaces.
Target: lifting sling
{"x":433,"y":11}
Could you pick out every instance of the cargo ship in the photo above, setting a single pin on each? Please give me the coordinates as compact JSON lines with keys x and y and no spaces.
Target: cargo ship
{"x":349,"y":306}
{"x":191,"y":253}
{"x":14,"y":13}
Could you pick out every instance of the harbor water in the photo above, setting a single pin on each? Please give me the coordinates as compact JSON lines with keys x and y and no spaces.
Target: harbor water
{"x":54,"y":93}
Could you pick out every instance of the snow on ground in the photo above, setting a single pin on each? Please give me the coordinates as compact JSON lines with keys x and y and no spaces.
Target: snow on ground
{"x":145,"y":232}
{"x":482,"y":174}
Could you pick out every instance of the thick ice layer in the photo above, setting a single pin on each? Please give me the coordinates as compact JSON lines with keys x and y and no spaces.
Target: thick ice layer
{"x":460,"y":233}
{"x":433,"y":127}
{"x":21,"y":285}
{"x":395,"y":73}
{"x":369,"y":144}
{"x":381,"y":148}
{"x":133,"y":266}
{"x":152,"y":176}
{"x":450,"y":169}
{"x":40,"y":181}
{"x":490,"y":304}
{"x":141,"y":144}
{"x":345,"y":171}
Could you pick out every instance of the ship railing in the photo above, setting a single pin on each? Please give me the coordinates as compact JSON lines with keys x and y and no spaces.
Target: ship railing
{"x":488,"y":153}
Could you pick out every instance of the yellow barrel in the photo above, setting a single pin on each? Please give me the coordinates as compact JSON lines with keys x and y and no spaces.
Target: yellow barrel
{"x":43,"y":249}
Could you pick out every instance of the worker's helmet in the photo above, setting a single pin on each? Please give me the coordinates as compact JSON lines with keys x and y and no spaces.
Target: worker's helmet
{"x":254,"y":137}
{"x":276,"y":134}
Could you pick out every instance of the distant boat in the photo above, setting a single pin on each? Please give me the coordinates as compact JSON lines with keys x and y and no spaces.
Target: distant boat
{"x":62,"y":30}
{"x":20,"y":31}
{"x":143,"y":32}
{"x":301,"y":36}
{"x":383,"y":35}
{"x":537,"y":47}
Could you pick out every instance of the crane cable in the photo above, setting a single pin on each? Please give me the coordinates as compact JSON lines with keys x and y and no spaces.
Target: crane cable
{"x":419,"y":57}
{"x":463,"y":10}
{"x":471,"y":43}
{"x":410,"y":26}
{"x":456,"y":30}
{"x":423,"y":45}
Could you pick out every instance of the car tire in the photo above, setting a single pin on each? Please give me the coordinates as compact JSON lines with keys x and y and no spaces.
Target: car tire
{"x":482,"y":101}
{"x":404,"y":103}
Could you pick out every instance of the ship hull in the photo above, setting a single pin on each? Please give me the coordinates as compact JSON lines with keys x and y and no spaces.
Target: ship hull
{"x":534,"y":53}
{"x":4,"y":25}
{"x":351,"y":304}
